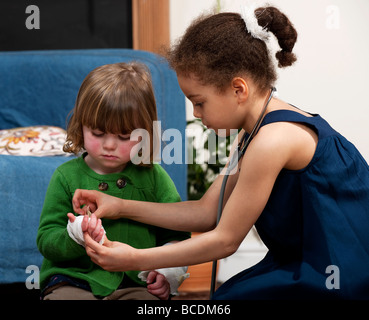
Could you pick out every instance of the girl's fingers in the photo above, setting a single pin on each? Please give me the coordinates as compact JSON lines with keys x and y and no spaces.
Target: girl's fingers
{"x":92,"y":224}
{"x":71,"y":217}
{"x":100,"y":235}
{"x":84,"y":224}
{"x":93,"y":248}
{"x":97,"y":230}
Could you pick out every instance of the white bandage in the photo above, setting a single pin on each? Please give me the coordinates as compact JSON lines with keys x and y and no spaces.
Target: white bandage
{"x":175,"y":277}
{"x":75,"y":231}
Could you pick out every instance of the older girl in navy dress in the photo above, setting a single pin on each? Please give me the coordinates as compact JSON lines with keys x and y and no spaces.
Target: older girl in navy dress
{"x":304,"y":186}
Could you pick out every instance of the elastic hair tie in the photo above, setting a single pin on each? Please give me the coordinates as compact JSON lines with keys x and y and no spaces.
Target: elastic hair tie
{"x":252,"y":25}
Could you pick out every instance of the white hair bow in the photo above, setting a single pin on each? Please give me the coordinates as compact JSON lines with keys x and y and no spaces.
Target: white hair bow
{"x":252,"y":25}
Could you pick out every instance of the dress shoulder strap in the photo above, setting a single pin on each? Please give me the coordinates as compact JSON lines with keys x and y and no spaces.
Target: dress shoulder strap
{"x":316,"y":122}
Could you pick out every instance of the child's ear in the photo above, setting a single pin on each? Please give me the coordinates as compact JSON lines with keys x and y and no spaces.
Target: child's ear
{"x":240,"y":88}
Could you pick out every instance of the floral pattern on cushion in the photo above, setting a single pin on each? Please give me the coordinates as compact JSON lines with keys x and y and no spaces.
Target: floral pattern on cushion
{"x":33,"y":141}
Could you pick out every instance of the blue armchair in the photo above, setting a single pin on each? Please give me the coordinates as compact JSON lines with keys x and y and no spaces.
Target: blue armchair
{"x":40,"y":88}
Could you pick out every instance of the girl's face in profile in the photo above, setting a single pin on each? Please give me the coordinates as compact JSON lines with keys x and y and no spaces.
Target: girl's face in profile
{"x":107,"y":153}
{"x":217,"y":111}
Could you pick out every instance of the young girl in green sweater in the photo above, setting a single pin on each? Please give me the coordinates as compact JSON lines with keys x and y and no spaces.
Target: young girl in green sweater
{"x":112,"y":102}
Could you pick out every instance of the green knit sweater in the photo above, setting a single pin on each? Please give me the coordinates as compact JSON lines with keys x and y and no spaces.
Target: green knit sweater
{"x":64,"y":256}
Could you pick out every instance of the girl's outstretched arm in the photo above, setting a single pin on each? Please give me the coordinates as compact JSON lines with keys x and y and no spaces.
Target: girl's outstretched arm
{"x":197,"y":215}
{"x":264,"y":159}
{"x":192,"y":216}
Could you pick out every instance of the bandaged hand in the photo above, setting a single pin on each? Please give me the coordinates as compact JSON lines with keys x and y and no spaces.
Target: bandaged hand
{"x":175,"y":277}
{"x":78,"y":225}
{"x":158,"y":285}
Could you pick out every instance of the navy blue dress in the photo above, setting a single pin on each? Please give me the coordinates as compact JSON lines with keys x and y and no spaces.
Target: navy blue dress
{"x":315,"y":225}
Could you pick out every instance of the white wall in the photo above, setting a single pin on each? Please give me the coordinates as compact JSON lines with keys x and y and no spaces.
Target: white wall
{"x":329,"y":78}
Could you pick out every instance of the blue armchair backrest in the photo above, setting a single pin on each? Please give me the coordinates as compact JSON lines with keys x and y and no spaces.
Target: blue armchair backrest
{"x":40,"y":88}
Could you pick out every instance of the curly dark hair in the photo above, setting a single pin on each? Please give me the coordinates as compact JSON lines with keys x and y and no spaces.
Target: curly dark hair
{"x":218,"y":47}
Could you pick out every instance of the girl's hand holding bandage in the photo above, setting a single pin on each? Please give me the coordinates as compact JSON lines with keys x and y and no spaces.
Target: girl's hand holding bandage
{"x":115,"y":256}
{"x":101,"y":204}
{"x":81,"y":224}
{"x":112,"y":256}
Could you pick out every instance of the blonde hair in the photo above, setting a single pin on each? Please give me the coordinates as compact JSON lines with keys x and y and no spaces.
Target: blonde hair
{"x":115,"y":98}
